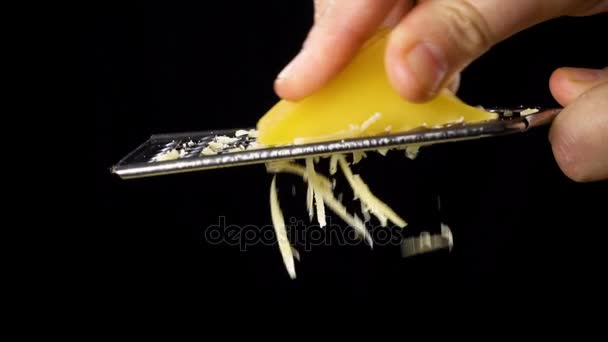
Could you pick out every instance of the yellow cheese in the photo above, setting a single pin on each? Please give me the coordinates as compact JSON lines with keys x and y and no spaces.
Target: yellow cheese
{"x":359,"y":101}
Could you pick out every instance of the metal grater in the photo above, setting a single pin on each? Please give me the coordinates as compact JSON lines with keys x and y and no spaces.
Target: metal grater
{"x":143,"y":161}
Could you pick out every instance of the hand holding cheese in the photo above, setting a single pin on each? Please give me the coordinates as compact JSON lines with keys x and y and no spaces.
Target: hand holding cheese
{"x":579,"y":135}
{"x":360,"y":101}
{"x":430,"y":43}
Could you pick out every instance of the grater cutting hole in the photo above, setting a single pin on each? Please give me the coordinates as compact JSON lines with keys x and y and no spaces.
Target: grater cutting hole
{"x":241,"y":140}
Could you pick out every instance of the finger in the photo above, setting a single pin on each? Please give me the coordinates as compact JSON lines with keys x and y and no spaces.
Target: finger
{"x":397,"y":13}
{"x":454,"y":83}
{"x":579,"y":136}
{"x":320,"y":7}
{"x":339,"y":32}
{"x":438,"y":38}
{"x":567,"y":84}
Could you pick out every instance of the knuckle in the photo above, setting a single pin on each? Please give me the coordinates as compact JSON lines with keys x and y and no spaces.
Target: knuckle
{"x":355,"y":33}
{"x":467,"y":27}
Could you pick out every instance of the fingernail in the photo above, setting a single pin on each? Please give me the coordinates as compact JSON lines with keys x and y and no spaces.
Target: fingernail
{"x":427,"y":63}
{"x":585,"y":75}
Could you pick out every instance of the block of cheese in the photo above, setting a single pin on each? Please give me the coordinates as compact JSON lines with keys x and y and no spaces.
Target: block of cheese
{"x":360,"y":101}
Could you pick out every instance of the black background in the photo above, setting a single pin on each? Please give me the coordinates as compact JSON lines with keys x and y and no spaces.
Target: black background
{"x":520,"y":226}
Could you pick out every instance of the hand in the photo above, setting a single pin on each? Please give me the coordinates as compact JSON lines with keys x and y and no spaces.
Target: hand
{"x":579,"y":134}
{"x":433,"y":41}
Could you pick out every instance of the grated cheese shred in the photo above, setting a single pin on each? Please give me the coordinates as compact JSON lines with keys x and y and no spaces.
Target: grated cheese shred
{"x":367,"y":123}
{"x":309,"y":201}
{"x":375,"y":205}
{"x":529,"y":111}
{"x":341,"y":211}
{"x":357,"y":156}
{"x":222,"y":139}
{"x":295,"y":252}
{"x":170,"y":155}
{"x":289,"y":167}
{"x":320,"y":195}
{"x":333,"y":164}
{"x":320,"y":206}
{"x":365,"y":212}
{"x":352,"y":131}
{"x":412,"y":151}
{"x":322,"y":186}
{"x":280,"y":230}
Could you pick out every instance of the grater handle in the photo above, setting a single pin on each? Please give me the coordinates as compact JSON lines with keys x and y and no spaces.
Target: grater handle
{"x":542,"y":118}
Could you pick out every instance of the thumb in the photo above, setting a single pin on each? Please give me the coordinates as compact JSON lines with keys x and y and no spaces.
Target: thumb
{"x":567,"y":84}
{"x":579,"y":134}
{"x":438,"y":38}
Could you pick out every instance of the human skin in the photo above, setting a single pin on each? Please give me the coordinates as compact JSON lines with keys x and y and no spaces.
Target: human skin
{"x":423,"y":57}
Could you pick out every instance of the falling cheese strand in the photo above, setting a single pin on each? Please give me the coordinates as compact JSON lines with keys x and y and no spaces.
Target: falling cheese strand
{"x":341,"y":211}
{"x":322,"y":186}
{"x":289,"y":167}
{"x":310,"y":170}
{"x":365,"y":212}
{"x":309,"y":201}
{"x":361,"y":190}
{"x":360,"y":101}
{"x":357,"y":156}
{"x":279,"y":226}
{"x":333,"y":164}
{"x":320,"y":209}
